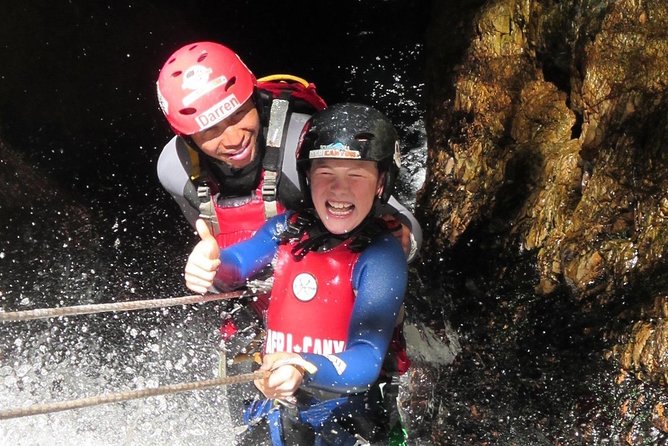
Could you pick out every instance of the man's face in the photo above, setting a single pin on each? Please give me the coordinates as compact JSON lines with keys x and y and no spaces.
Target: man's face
{"x":343,"y":191}
{"x":233,"y":140}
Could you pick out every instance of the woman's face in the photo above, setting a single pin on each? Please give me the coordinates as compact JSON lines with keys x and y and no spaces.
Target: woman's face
{"x":343,"y":191}
{"x":233,"y":140}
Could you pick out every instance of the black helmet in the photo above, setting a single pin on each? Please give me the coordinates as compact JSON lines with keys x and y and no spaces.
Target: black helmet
{"x":351,"y":131}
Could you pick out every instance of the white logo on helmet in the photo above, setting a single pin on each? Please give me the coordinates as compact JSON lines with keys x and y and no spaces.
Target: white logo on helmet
{"x":195,"y":77}
{"x":203,"y":90}
{"x":305,"y":287}
{"x":336,"y":150}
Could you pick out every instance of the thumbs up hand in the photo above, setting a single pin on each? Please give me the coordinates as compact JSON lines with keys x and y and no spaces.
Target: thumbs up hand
{"x":203,"y":261}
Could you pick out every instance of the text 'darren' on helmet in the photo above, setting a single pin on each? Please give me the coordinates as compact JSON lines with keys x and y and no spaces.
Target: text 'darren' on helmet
{"x":351,"y":131}
{"x":201,"y":84}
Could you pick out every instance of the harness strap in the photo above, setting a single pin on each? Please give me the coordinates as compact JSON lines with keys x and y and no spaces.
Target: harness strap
{"x":201,"y":198}
{"x":258,"y":410}
{"x":195,"y":168}
{"x":320,"y":416}
{"x":276,"y":427}
{"x":273,"y":157}
{"x":207,"y":209}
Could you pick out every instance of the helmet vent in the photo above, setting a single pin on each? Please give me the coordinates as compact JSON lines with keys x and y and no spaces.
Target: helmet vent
{"x":177,"y":73}
{"x":188,"y":111}
{"x":364,"y":137}
{"x":230,"y":83}
{"x":202,"y":56}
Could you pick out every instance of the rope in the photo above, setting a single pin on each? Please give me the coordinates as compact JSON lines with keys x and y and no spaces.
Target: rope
{"x":39,"y":409}
{"x":44,"y":313}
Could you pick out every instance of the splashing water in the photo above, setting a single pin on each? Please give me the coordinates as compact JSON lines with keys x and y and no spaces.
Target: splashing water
{"x":47,"y":361}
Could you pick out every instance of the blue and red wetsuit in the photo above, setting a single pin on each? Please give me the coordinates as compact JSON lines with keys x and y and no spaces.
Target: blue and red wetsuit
{"x":336,"y":308}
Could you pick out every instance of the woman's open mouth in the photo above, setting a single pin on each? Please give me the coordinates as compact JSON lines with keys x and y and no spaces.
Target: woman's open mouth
{"x":339,"y":208}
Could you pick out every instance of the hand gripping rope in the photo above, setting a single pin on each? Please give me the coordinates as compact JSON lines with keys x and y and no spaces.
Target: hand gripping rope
{"x":40,"y":409}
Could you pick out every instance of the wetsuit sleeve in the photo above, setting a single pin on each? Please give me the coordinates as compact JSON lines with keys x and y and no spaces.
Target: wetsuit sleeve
{"x":173,"y":172}
{"x":242,"y":260}
{"x":395,"y":208}
{"x":379,"y":277}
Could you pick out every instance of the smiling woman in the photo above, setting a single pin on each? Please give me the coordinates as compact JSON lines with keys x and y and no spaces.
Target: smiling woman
{"x":343,"y":191}
{"x":334,"y":317}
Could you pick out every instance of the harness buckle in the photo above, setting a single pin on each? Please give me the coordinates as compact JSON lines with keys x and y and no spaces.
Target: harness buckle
{"x":269,"y":193}
{"x":269,"y":185}
{"x":207,"y":210}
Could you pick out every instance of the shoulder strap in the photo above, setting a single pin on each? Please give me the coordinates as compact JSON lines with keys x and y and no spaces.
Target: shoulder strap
{"x":204,"y":200}
{"x":288,"y":93}
{"x":273,"y":156}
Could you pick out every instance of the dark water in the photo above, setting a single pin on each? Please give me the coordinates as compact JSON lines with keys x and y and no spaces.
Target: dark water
{"x":77,"y":102}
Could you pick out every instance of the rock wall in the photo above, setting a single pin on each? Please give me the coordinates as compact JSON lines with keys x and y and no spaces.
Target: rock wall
{"x":548,"y":134}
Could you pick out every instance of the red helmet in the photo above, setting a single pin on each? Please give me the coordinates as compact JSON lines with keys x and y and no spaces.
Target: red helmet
{"x":201,"y":84}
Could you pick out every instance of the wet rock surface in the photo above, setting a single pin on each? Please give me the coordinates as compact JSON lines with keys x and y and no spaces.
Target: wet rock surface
{"x":547,"y":132}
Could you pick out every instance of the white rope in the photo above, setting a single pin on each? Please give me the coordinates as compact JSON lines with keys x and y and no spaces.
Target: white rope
{"x":44,"y":313}
{"x":39,"y":409}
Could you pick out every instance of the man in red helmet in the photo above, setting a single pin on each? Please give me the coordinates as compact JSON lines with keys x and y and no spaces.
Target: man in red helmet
{"x":226,"y":162}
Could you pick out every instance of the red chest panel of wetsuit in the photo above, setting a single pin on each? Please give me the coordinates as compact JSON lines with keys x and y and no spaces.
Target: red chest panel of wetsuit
{"x":311,"y":302}
{"x":239,"y":222}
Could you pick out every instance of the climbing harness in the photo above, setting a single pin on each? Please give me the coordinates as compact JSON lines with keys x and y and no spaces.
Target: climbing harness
{"x":321,"y":416}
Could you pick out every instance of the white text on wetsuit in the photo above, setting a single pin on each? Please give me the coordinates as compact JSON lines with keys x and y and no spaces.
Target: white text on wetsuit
{"x":278,"y":341}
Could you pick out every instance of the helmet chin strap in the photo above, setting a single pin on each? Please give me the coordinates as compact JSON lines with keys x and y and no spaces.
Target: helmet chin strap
{"x":381,"y":185}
